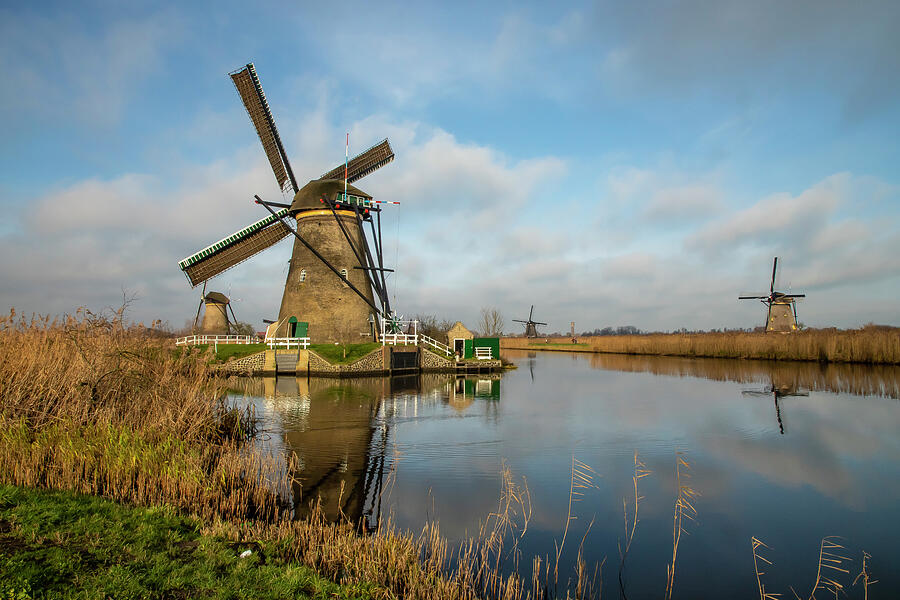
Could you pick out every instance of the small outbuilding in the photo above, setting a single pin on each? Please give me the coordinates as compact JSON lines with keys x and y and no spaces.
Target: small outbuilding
{"x":459,"y":339}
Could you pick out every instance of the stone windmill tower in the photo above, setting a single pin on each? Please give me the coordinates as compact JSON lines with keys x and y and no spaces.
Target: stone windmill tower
{"x":781,"y":314}
{"x":215,"y":316}
{"x":336,"y":280}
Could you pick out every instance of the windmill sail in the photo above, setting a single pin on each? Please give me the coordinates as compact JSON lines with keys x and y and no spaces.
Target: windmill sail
{"x":250,"y":90}
{"x":364,"y":163}
{"x":234,"y":249}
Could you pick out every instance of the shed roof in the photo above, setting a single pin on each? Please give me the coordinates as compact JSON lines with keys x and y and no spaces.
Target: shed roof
{"x":459,"y":331}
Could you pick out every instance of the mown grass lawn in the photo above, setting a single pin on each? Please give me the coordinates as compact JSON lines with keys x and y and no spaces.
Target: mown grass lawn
{"x":225,"y":351}
{"x":64,"y":545}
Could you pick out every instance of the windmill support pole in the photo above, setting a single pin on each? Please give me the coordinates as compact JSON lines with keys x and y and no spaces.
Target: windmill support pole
{"x":234,"y":318}
{"x":319,"y":256}
{"x":379,"y":248}
{"x":371,"y":263}
{"x":376,"y":283}
{"x":356,"y":253}
{"x":379,"y":266}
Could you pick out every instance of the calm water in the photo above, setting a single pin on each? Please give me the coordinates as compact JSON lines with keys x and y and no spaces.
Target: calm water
{"x":786,"y":453}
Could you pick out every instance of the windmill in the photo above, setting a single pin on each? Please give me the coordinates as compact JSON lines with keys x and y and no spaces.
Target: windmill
{"x":333,"y":270}
{"x":530,"y":324}
{"x":215,"y":317}
{"x":782,"y":308}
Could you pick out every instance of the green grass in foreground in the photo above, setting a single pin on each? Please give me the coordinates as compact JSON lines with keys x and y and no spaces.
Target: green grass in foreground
{"x":334,"y":353}
{"x":64,"y":545}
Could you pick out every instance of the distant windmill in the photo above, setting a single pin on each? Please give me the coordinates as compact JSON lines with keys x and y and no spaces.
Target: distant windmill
{"x":782,"y":308}
{"x":215,"y":317}
{"x":530,"y":324}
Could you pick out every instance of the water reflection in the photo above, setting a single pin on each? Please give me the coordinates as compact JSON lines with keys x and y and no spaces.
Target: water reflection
{"x":787,"y":452}
{"x":858,"y":379}
{"x":339,"y":431}
{"x":777,"y":392}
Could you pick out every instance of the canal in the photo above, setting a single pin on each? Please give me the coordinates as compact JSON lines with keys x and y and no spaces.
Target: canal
{"x":787,"y":453}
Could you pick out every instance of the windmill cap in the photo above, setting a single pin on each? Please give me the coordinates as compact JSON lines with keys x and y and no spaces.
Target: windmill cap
{"x":216,"y":297}
{"x":310,"y":194}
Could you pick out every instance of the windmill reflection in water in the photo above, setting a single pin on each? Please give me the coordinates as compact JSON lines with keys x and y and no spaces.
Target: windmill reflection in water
{"x":777,"y":392}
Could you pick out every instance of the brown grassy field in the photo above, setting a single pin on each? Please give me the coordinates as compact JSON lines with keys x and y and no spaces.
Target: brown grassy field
{"x":872,"y":345}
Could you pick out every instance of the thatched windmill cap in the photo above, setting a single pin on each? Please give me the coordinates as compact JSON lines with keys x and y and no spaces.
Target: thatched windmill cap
{"x":311,"y":194}
{"x":217,"y":297}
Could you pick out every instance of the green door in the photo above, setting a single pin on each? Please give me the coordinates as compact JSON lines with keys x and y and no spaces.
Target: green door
{"x":302,"y":329}
{"x":469,"y":351}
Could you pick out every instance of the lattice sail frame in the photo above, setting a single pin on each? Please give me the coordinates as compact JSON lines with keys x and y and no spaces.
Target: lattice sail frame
{"x":363,"y":163}
{"x":234,"y":249}
{"x":248,"y":87}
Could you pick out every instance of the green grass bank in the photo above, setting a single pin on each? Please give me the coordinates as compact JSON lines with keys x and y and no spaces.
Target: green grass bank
{"x":56,"y":544}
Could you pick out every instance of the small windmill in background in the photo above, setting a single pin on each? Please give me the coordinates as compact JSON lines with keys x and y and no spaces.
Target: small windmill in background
{"x":530,"y":324}
{"x":215,"y":316}
{"x":781,"y":313}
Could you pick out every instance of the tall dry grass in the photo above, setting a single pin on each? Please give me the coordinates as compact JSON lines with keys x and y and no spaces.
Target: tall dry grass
{"x":91,"y":405}
{"x":872,"y":345}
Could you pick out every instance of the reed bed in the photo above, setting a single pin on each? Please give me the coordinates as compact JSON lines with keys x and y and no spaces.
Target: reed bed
{"x":870,"y":345}
{"x":93,"y":406}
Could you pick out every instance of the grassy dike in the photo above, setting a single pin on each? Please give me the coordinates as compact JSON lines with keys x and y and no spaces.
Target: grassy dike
{"x":63,"y":545}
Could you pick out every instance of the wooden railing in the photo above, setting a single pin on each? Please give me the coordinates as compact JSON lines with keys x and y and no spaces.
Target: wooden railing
{"x":406,"y":339}
{"x":288,"y":342}
{"x":436,"y":344}
{"x":194,"y":340}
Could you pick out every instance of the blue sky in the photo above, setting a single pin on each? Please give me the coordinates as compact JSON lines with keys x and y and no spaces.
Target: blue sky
{"x":611,"y":163}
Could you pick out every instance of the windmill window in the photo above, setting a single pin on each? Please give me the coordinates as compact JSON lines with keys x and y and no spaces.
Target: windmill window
{"x":302,"y":275}
{"x":344,"y":273}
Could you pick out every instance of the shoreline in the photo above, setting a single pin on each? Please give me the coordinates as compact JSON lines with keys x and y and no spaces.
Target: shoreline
{"x":872,"y":346}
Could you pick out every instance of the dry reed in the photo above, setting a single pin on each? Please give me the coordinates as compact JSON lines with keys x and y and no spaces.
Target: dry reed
{"x":93,"y":406}
{"x":870,"y":344}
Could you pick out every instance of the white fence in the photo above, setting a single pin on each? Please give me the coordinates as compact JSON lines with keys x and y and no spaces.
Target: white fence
{"x":436,"y":344}
{"x":403,"y":339}
{"x":483,"y":352}
{"x":194,"y":340}
{"x":288,"y":342}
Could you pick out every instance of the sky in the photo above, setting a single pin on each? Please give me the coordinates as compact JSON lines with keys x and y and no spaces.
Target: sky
{"x":609,"y":163}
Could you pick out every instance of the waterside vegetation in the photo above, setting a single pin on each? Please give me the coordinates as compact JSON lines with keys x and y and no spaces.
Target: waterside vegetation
{"x":93,"y":406}
{"x":870,"y":345}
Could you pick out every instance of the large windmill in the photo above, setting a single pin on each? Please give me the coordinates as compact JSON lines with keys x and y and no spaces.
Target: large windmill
{"x":333,"y":270}
{"x":530,"y":324}
{"x":782,"y":308}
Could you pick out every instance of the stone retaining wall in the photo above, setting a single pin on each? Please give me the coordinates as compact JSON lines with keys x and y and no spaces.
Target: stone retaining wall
{"x":253,"y":363}
{"x":430,"y":360}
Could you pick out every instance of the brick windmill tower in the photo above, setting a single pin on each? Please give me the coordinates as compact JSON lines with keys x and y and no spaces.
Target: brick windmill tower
{"x":781,"y":314}
{"x":336,"y":280}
